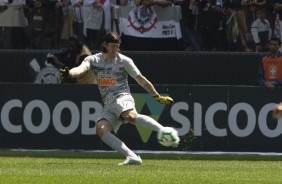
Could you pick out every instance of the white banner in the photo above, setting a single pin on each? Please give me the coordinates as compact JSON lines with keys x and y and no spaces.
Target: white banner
{"x":150,"y":22}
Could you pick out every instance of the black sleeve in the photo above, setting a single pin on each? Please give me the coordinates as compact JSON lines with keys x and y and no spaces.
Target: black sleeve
{"x":81,"y":58}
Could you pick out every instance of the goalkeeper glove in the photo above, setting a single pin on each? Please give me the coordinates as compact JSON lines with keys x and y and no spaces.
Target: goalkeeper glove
{"x":164,"y":99}
{"x":64,"y":74}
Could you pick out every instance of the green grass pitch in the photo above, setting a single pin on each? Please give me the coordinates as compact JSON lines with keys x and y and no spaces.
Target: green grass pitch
{"x":74,"y":167}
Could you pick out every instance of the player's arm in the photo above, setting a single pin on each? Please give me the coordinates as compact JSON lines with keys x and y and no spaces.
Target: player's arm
{"x":148,"y":86}
{"x":77,"y":71}
{"x":65,"y":73}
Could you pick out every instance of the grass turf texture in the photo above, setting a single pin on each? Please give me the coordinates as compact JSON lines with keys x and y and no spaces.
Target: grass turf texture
{"x":71,"y":167}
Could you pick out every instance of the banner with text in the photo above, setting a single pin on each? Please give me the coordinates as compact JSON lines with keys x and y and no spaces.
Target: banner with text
{"x":149,"y":21}
{"x":207,"y":118}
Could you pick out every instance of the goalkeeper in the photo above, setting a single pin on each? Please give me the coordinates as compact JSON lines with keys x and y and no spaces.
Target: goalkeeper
{"x":111,"y":70}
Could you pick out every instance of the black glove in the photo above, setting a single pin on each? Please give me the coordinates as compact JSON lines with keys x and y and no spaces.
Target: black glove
{"x":64,"y":74}
{"x":164,"y":99}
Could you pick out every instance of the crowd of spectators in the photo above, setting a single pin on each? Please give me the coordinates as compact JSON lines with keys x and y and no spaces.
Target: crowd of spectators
{"x":230,"y":25}
{"x":206,"y":25}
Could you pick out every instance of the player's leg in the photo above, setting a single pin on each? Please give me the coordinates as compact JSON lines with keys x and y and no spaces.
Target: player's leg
{"x":133,"y":117}
{"x":125,"y":107}
{"x":103,"y":130}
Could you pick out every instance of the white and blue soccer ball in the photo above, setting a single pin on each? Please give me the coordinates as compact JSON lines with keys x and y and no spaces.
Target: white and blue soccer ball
{"x":168,"y":137}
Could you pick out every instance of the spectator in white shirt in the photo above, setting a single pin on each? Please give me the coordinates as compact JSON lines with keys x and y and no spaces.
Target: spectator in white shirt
{"x":261,"y":31}
{"x":13,"y":23}
{"x":96,"y":21}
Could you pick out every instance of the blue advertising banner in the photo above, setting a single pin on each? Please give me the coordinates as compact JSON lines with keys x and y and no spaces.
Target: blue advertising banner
{"x":207,"y":118}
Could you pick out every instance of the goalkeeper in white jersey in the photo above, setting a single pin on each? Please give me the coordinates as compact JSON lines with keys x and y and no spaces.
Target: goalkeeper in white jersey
{"x":111,"y":69}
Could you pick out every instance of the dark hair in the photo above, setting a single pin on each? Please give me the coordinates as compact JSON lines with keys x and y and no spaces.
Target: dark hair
{"x":276,"y":39}
{"x":111,"y":37}
{"x":75,"y":39}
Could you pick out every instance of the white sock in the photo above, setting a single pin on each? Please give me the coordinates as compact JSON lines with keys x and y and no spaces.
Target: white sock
{"x":117,"y":145}
{"x":148,"y":122}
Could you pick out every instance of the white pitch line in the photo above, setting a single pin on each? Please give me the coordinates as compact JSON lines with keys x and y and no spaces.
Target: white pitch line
{"x":219,"y":153}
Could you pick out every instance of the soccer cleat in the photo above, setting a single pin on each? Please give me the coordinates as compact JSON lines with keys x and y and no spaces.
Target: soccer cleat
{"x":132,"y":161}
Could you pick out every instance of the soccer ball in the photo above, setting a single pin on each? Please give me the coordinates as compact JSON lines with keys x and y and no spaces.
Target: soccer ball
{"x":168,"y":137}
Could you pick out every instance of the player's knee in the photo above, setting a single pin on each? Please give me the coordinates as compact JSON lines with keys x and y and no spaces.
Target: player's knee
{"x":102,"y":127}
{"x":99,"y":131}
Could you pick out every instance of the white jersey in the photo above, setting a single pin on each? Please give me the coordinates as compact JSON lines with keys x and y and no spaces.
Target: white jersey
{"x":112,"y":76}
